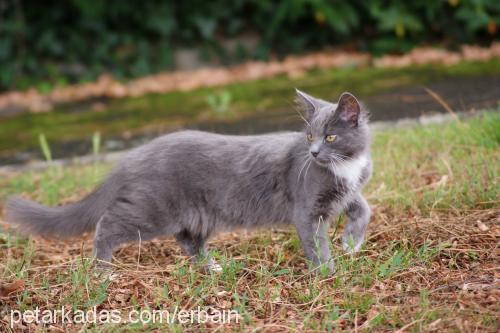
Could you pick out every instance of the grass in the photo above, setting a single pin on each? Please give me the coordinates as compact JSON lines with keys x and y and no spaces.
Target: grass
{"x":429,"y":264}
{"x":159,"y":112}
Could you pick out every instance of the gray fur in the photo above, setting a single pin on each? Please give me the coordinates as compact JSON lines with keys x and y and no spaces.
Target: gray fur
{"x":193,"y":184}
{"x":63,"y":221}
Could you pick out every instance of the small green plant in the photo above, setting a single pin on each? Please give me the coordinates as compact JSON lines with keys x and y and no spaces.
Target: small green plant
{"x":44,"y":145}
{"x":96,"y":143}
{"x":220,"y":103}
{"x":395,"y":263}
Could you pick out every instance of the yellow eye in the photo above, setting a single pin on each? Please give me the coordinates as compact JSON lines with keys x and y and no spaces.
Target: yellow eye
{"x":330,"y":138}
{"x":309,"y":137}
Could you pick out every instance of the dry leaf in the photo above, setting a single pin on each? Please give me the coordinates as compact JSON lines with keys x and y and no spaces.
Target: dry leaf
{"x":10,"y":288}
{"x":482,"y":226}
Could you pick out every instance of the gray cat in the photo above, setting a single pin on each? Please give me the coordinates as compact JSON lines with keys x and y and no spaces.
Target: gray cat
{"x":193,"y":184}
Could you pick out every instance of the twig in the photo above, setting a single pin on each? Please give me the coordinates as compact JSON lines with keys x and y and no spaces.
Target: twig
{"x":442,"y":102}
{"x":356,"y":321}
{"x":139,"y":254}
{"x":402,"y":329}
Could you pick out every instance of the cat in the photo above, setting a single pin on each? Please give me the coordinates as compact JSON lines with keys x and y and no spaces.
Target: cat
{"x":193,"y":184}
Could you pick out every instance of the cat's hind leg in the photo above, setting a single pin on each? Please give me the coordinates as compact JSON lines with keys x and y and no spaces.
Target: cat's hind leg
{"x":103,"y":243}
{"x":116,"y":228}
{"x":195,"y":247}
{"x":358,"y":215}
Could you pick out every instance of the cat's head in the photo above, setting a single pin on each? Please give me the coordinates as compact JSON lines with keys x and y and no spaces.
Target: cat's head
{"x":335,"y":132}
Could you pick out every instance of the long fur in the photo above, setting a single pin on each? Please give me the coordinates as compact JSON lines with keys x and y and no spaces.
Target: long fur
{"x":192,"y":184}
{"x":63,"y":221}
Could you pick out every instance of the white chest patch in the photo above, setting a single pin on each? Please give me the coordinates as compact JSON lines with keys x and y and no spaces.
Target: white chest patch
{"x":350,"y":170}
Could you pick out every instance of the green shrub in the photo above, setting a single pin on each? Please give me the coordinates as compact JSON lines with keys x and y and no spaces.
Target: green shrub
{"x":59,"y":42}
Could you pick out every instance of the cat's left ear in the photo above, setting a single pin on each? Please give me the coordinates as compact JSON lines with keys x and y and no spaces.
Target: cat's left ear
{"x":348,"y":108}
{"x":308,"y":103}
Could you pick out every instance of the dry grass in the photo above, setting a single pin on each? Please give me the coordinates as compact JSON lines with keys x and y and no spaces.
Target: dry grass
{"x":430,"y":262}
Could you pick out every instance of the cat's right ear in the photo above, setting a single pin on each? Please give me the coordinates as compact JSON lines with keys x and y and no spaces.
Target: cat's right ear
{"x":307,"y":104}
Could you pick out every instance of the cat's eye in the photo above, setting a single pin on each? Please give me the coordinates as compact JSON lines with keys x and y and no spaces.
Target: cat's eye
{"x":309,"y":137}
{"x":330,"y":138}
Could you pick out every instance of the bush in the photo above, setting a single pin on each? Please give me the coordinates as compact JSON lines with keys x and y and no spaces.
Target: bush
{"x":74,"y":40}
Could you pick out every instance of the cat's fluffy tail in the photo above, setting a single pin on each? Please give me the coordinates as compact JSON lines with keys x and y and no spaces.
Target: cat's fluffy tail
{"x":63,"y":221}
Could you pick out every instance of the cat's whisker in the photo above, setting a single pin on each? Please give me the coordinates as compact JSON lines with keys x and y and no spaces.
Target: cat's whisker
{"x":340,"y":155}
{"x":303,"y":166}
{"x":335,"y":166}
{"x":305,"y":174}
{"x":333,"y":162}
{"x":332,"y":166}
{"x":301,"y":116}
{"x":338,"y":158}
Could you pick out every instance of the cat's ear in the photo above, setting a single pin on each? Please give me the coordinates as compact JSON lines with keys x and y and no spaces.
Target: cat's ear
{"x":308,"y":104}
{"x":348,"y":108}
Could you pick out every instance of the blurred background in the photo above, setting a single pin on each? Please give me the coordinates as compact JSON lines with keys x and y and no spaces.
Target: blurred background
{"x":97,"y":76}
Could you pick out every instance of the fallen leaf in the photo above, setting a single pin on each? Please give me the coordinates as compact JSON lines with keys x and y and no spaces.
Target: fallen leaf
{"x":482,"y":226}
{"x":9,"y":288}
{"x":221,"y":293}
{"x":122,"y":298}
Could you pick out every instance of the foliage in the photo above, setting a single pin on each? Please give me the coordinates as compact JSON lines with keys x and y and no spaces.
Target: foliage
{"x":75,"y":40}
{"x":44,"y":146}
{"x":220,"y":103}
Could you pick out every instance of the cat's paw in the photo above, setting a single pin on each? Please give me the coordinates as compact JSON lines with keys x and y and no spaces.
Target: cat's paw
{"x":212,"y":267}
{"x":215,"y":267}
{"x":105,"y":274}
{"x":351,"y":246}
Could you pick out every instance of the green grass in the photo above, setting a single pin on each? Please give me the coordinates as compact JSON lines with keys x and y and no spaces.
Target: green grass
{"x":437,"y":166}
{"x":159,"y":112}
{"x":430,"y":186}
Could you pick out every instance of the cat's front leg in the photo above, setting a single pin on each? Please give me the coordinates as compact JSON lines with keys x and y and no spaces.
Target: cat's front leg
{"x":314,"y":238}
{"x":358,"y":215}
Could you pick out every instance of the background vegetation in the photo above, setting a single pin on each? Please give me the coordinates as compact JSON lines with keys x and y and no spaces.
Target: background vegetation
{"x":69,"y":41}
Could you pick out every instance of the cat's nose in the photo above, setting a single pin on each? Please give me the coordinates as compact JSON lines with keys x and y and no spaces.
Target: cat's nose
{"x":314,"y":153}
